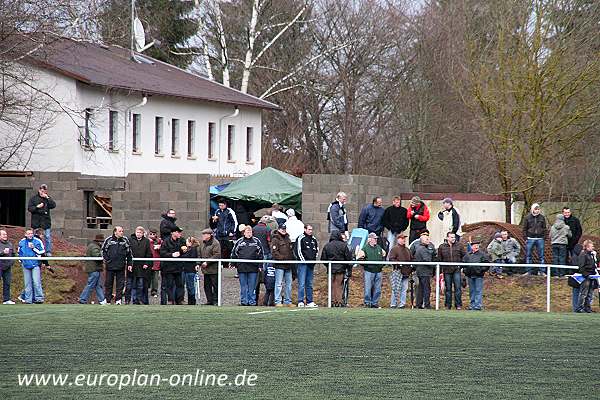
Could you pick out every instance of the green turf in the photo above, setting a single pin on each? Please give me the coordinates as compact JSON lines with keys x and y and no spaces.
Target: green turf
{"x":305,"y":354}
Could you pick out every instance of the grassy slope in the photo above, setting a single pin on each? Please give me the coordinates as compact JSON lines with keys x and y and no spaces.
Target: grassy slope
{"x":306,"y":354}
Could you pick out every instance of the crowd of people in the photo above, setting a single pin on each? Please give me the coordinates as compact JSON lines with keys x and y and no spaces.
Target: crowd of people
{"x":395,"y":233}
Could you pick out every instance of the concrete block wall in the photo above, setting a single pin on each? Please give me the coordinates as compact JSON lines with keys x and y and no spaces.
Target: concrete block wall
{"x":140,"y":199}
{"x":318,"y":191}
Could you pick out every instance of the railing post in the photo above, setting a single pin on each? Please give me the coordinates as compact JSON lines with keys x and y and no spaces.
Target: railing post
{"x":548,"y":289}
{"x":437,"y":286}
{"x":329,"y":285}
{"x":219,"y":292}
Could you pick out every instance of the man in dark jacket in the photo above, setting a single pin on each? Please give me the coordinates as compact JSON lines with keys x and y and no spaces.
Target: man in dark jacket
{"x":94,"y":271}
{"x":395,"y":221}
{"x":116,"y":253}
{"x":424,"y":251}
{"x":224,"y":224}
{"x":306,"y":249}
{"x":588,"y":263}
{"x":39,"y":206}
{"x":138,"y":277}
{"x":576,"y":232}
{"x":281,"y":248}
{"x":534,"y":232}
{"x":371,"y":217}
{"x":337,"y":250}
{"x":475,"y":275}
{"x":171,"y":284}
{"x":6,"y":250}
{"x":450,"y":251}
{"x":418,"y":215}
{"x":167,"y":224}
{"x":247,"y":248}
{"x":210,"y":248}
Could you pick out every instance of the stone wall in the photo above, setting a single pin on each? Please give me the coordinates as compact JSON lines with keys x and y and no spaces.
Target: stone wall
{"x":318,"y":191}
{"x":137,"y":200}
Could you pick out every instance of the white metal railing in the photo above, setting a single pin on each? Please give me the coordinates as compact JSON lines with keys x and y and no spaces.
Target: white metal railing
{"x":221,"y":261}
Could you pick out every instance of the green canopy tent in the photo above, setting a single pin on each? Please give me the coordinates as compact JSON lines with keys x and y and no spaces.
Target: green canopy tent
{"x":262,"y":189}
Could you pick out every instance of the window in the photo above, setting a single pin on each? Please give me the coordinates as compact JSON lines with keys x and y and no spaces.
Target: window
{"x":98,"y":210}
{"x":113,"y":126}
{"x":211,"y":140}
{"x":249,"y":143}
{"x":191,"y":138}
{"x":158,"y":135}
{"x":174,"y":137}
{"x":137,"y":127}
{"x":87,"y":136}
{"x":230,"y":142}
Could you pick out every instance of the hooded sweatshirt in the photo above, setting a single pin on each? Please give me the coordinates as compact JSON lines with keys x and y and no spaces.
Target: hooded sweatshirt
{"x":560,"y":232}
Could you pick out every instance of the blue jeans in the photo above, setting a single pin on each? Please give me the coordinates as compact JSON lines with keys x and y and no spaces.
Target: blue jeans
{"x":32,"y":280}
{"x":538,"y":244}
{"x":495,"y":269}
{"x":372,"y":288}
{"x":281,"y":276}
{"x":559,"y":257}
{"x":48,"y":244}
{"x":248,"y":288}
{"x":93,"y":283}
{"x":453,"y":279}
{"x":305,"y":282}
{"x":399,"y":288}
{"x":6,"y":280}
{"x":139,"y":293}
{"x":575,"y":298}
{"x":476,"y":293}
{"x":190,"y":287}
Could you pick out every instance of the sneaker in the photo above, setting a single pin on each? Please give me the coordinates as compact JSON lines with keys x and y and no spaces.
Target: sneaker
{"x":500,"y":276}
{"x":459,"y":308}
{"x":155,"y":296}
{"x":289,"y":305}
{"x":312,"y":305}
{"x":301,"y":305}
{"x":402,"y":306}
{"x":9,"y":302}
{"x":103,"y":303}
{"x":22,"y":300}
{"x":279,"y":305}
{"x":117,"y":302}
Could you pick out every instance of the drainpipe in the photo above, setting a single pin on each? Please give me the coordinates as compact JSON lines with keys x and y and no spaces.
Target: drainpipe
{"x":235,"y":114}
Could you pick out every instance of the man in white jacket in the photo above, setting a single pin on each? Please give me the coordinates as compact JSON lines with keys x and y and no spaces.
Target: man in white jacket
{"x":450,"y":218}
{"x":294,"y":226}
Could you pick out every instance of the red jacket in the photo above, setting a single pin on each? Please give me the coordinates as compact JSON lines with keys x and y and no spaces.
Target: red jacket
{"x":155,"y":253}
{"x":418,"y":216}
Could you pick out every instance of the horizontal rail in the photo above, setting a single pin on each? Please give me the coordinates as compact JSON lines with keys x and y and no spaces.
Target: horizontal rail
{"x":356,"y":262}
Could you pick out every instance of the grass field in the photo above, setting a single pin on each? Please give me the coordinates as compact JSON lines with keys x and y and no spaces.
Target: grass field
{"x":304,"y":354}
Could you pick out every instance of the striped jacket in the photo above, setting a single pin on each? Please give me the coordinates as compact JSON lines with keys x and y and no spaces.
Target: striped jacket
{"x":306,"y":248}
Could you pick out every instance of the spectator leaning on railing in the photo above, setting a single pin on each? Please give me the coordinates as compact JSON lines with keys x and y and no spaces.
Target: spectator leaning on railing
{"x":475,"y":274}
{"x":401,"y":273}
{"x":451,"y":251}
{"x":6,"y":250}
{"x":337,"y":250}
{"x":210,"y":248}
{"x":424,"y":251}
{"x":247,"y":248}
{"x":588,"y":263}
{"x":371,"y":251}
{"x":116,"y":253}
{"x":31,"y":246}
{"x":170,"y":271}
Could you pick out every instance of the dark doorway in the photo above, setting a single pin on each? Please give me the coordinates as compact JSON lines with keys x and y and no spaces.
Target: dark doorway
{"x":12,"y":207}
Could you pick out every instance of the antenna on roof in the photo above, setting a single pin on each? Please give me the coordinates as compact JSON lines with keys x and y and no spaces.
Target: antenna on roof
{"x":138,"y":36}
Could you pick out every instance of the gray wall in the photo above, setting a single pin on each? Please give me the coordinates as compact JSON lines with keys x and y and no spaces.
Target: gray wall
{"x":318,"y":191}
{"x":137,"y":200}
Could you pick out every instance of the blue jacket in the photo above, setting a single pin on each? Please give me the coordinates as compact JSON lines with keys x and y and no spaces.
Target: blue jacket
{"x":25,"y":251}
{"x":337,"y":217}
{"x":225,"y":225}
{"x":371,"y":219}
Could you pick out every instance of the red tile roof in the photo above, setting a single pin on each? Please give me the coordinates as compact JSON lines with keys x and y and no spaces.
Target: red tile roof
{"x":112,"y":67}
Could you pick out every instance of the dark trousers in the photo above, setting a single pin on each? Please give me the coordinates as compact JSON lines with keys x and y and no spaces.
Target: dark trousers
{"x":211,"y":289}
{"x":141,"y":290}
{"x":415,"y":234}
{"x":424,"y":292}
{"x":119,"y":277}
{"x":129,"y":285}
{"x":559,"y":257}
{"x":190,"y":287}
{"x":6,"y":279}
{"x":453,"y":280}
{"x":226,"y":247}
{"x":269,"y":299}
{"x":170,"y":285}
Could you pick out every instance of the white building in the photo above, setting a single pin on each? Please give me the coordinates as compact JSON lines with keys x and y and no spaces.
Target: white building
{"x":121,"y":116}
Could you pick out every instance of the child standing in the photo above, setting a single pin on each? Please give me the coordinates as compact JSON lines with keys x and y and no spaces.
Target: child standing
{"x":269,"y":299}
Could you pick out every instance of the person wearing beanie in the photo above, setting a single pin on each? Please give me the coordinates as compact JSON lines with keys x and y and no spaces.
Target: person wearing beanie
{"x":94,"y":271}
{"x":559,"y":237}
{"x":418,"y":215}
{"x":450,"y":218}
{"x":294,"y":226}
{"x":534,"y":233}
{"x":496,"y":252}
